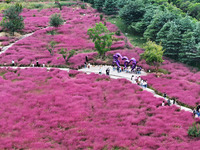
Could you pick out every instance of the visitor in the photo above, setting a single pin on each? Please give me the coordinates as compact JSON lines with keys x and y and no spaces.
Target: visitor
{"x":122,"y":69}
{"x":86,"y":59}
{"x":113,"y":67}
{"x":198,"y":107}
{"x":13,"y":63}
{"x":145,"y":83}
{"x":117,"y":69}
{"x":85,"y":64}
{"x":139,"y":80}
{"x":37,"y":63}
{"x":165,"y":95}
{"x":43,"y":65}
{"x":142,"y":83}
{"x":174,"y":101}
{"x":194,"y":112}
{"x":33,"y":65}
{"x":107,"y":71}
{"x":163,"y":103}
{"x":89,"y":65}
{"x":168,"y":102}
{"x":132,"y":77}
{"x":100,"y":71}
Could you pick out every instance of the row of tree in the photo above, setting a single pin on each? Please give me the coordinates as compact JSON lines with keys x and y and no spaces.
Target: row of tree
{"x":178,"y":33}
{"x":192,"y":7}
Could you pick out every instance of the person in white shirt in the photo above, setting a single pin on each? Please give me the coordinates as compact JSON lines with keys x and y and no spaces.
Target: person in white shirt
{"x":163,"y":103}
{"x":142,"y":83}
{"x":13,"y":62}
{"x":100,"y":70}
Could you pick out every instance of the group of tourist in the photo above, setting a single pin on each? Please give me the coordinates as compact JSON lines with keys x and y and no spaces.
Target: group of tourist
{"x":169,"y":102}
{"x":137,"y":70}
{"x":139,"y":81}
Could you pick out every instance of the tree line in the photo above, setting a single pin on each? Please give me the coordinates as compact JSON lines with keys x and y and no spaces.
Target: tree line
{"x":177,"y":32}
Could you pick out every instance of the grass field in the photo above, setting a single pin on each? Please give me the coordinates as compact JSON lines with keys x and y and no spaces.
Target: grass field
{"x":135,"y":38}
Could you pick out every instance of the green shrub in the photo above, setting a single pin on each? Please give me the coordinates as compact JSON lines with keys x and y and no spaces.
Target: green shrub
{"x":83,"y":6}
{"x":71,"y":53}
{"x":12,"y":21}
{"x":194,"y":131}
{"x":101,"y":17}
{"x":56,"y":20}
{"x":118,"y":33}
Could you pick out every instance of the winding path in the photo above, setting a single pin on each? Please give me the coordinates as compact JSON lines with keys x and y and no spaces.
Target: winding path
{"x":95,"y":69}
{"x":113,"y":74}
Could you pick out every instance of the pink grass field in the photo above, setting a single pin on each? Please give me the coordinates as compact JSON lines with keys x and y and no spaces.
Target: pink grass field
{"x":182,"y":83}
{"x":54,"y":109}
{"x":72,"y":35}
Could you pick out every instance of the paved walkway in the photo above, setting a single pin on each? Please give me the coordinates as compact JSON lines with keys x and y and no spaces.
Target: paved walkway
{"x":116,"y":75}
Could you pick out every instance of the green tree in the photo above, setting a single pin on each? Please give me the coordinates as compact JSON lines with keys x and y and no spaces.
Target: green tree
{"x":109,"y":7}
{"x":142,"y":25}
{"x":98,"y":4}
{"x":12,"y":21}
{"x":132,"y":12}
{"x":186,"y":53}
{"x":101,"y":37}
{"x":51,"y":47}
{"x":162,"y":34}
{"x":173,"y":44}
{"x":122,"y":3}
{"x":56,"y":20}
{"x":185,"y":24}
{"x":196,"y":33}
{"x":159,"y":19}
{"x":153,"y":54}
{"x":64,"y":54}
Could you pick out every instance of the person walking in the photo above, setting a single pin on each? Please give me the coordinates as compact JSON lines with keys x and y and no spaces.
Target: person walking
{"x":165,"y":95}
{"x":100,"y":71}
{"x":13,"y":63}
{"x":117,"y":69}
{"x":86,"y":59}
{"x":168,"y":102}
{"x":107,"y":71}
{"x":85,"y":64}
{"x":37,"y":63}
{"x":132,"y":77}
{"x":163,"y":103}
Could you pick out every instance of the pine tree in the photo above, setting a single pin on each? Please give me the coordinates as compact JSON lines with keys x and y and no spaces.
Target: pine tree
{"x":185,"y":24}
{"x":142,"y":25}
{"x":196,"y":33}
{"x":157,"y":23}
{"x":187,"y":52}
{"x":98,"y":4}
{"x":110,"y":7}
{"x":122,"y":3}
{"x":132,"y":12}
{"x":173,"y":42}
{"x":162,"y":34}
